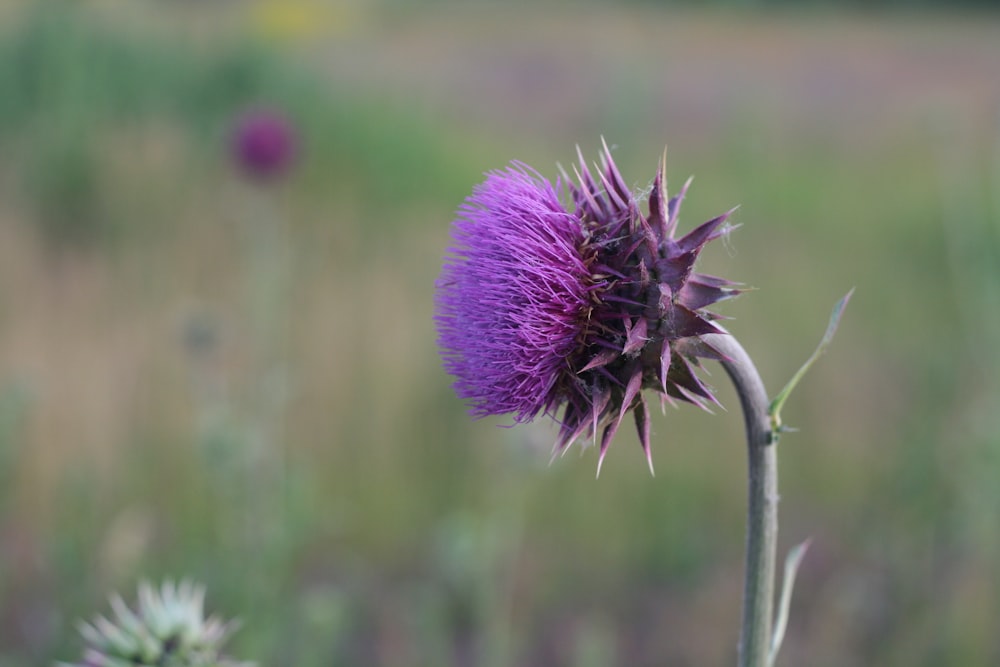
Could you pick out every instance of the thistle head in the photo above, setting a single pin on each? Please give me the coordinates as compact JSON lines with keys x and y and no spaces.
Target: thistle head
{"x":264,"y":144}
{"x":167,"y":628}
{"x":568,"y":300}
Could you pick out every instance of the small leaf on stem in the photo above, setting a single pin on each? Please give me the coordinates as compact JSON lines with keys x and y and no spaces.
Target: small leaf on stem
{"x":792,"y":562}
{"x":779,"y":401}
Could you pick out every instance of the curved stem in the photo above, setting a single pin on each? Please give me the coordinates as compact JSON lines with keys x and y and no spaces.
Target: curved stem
{"x":762,"y":511}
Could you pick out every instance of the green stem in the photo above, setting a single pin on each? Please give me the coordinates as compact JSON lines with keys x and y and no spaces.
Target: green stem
{"x":762,"y":512}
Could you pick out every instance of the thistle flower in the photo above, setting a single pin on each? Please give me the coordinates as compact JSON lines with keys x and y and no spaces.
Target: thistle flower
{"x":168,"y":629}
{"x":264,"y":144}
{"x":566,"y":300}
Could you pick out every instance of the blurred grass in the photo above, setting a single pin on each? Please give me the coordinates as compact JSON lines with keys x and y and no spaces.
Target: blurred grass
{"x":73,"y":85}
{"x":177,"y":400}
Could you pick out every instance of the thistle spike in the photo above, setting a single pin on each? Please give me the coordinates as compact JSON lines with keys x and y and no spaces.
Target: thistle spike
{"x":642,"y":425}
{"x":612,"y":192}
{"x":602,"y":396}
{"x":631,"y":391}
{"x":602,"y":358}
{"x":658,"y":198}
{"x":665,"y":361}
{"x":703,"y":233}
{"x":636,"y":337}
{"x":606,"y":438}
{"x":674,"y":205}
{"x":611,"y":169}
{"x":597,"y":207}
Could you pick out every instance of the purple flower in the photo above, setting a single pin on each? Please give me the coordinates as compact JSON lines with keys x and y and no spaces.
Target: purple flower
{"x":567,"y":300}
{"x":264,"y":144}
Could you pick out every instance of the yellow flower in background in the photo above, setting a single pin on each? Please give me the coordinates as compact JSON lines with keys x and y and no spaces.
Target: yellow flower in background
{"x":291,"y":20}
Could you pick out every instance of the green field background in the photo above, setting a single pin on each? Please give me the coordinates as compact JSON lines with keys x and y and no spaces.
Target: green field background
{"x":201,"y":376}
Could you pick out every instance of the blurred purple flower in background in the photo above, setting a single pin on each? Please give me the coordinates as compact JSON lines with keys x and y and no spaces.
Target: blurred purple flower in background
{"x":544,"y":305}
{"x":264,"y":144}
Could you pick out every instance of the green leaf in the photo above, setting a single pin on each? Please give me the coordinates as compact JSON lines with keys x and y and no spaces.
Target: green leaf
{"x":774,"y":410}
{"x":792,"y":562}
